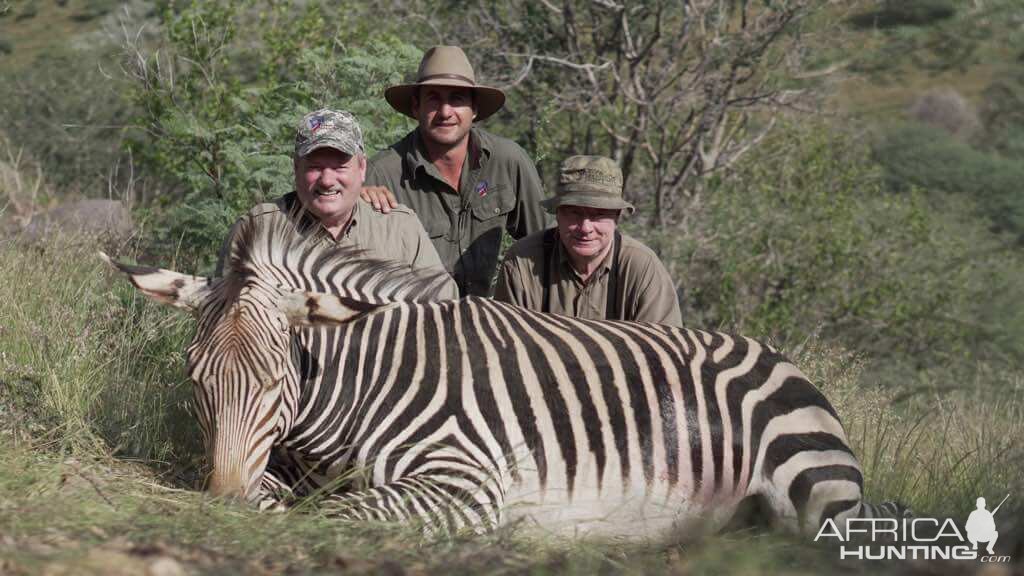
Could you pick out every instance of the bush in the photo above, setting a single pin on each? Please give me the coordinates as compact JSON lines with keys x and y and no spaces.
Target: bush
{"x":221,"y":104}
{"x":895,"y":13}
{"x":6,"y":47}
{"x":917,"y":155}
{"x":28,"y":12}
{"x":805,"y":240}
{"x":70,"y":116}
{"x":946,"y":109}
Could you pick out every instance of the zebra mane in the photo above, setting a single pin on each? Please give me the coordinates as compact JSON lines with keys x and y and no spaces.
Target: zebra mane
{"x":282,"y":248}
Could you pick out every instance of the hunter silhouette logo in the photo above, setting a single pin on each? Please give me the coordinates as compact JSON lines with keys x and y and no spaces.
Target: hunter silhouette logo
{"x":981,"y":525}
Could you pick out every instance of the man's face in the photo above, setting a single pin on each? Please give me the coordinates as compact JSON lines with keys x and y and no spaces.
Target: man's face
{"x":445,"y":113}
{"x":586,"y":232}
{"x":328,"y":183}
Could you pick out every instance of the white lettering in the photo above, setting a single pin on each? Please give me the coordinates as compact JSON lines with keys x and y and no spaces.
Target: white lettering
{"x":835,"y":530}
{"x":949,"y":529}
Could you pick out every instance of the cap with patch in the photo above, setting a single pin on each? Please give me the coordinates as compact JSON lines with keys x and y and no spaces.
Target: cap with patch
{"x":591,"y":182}
{"x":328,"y":129}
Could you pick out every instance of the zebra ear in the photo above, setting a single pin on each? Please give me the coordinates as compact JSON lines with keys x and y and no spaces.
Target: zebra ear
{"x":165,"y":286}
{"x":318,"y":308}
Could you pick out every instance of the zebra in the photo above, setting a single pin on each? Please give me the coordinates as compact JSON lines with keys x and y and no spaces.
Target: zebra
{"x":312,"y":364}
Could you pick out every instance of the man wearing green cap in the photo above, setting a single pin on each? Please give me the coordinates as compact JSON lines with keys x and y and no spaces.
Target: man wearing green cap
{"x":330,"y":167}
{"x":467,"y":186}
{"x":585,"y":267}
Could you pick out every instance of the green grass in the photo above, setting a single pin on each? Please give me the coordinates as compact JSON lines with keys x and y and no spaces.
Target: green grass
{"x":98,"y":456}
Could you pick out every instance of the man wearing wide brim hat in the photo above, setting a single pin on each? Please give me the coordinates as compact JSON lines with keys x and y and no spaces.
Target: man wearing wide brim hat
{"x":467,"y":186}
{"x":584,"y":266}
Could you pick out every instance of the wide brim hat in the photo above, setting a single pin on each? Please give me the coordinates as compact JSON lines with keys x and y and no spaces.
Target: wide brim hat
{"x":591,"y":182}
{"x":446,"y":66}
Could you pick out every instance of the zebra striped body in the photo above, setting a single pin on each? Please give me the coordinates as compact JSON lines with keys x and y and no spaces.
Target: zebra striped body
{"x":474,"y":413}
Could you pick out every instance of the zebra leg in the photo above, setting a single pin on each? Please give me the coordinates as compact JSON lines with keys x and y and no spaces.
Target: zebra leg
{"x":814,"y":485}
{"x":274,"y":494}
{"x":439,"y":504}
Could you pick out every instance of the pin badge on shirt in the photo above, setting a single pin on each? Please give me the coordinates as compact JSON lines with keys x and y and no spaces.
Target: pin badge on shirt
{"x":481,"y":189}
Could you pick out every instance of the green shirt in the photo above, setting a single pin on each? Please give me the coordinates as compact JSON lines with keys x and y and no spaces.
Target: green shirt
{"x":396,"y":235}
{"x":499,"y":191}
{"x":645,"y":289}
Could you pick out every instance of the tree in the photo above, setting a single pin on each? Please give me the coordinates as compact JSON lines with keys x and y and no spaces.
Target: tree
{"x":219,"y":93}
{"x":674,"y":91}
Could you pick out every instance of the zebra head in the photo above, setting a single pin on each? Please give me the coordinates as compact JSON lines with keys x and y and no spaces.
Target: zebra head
{"x":239,"y":362}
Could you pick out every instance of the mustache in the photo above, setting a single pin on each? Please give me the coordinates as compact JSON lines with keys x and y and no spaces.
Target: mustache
{"x":318,"y":189}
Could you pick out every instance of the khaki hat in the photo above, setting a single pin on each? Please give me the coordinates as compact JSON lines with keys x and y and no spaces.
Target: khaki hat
{"x":326,"y":128}
{"x":446,"y":66}
{"x":591,"y":182}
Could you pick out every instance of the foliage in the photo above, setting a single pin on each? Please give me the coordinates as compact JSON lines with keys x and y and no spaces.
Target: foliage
{"x":804,"y":239}
{"x":1002,"y":112}
{"x":917,"y":155}
{"x":674,"y":94}
{"x":933,"y":36}
{"x":75,"y":134}
{"x":93,"y":9}
{"x":221,"y":97}
{"x":893,"y":13}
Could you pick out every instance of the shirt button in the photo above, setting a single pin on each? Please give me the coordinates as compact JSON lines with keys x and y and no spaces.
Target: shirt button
{"x":496,"y":210}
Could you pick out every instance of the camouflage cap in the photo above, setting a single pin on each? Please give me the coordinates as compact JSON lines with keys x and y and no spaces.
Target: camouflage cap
{"x":589,"y":181}
{"x":326,"y":128}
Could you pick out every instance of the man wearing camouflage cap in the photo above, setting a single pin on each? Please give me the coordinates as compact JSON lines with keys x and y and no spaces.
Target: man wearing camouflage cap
{"x":330,"y":166}
{"x":585,"y":267}
{"x":467,"y":186}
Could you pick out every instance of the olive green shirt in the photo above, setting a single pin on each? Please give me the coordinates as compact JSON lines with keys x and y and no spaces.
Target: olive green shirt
{"x":646,"y":292}
{"x":499,"y":190}
{"x":396,"y":235}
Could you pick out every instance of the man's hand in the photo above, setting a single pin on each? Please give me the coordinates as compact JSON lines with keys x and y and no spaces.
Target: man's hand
{"x":381,"y":198}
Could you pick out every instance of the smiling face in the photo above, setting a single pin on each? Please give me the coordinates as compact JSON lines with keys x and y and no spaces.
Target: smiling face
{"x":328,"y":183}
{"x":445,"y":114}
{"x":586,"y":233}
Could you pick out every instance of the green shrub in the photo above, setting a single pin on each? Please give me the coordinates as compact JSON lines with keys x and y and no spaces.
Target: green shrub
{"x":6,"y":47}
{"x":917,"y":155}
{"x":805,"y":240}
{"x":93,"y":9}
{"x":75,"y":133}
{"x":28,"y":12}
{"x":895,"y":13}
{"x":220,"y":114}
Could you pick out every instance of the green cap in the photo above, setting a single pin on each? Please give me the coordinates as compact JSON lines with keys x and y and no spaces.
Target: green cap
{"x":328,"y":129}
{"x":591,"y":182}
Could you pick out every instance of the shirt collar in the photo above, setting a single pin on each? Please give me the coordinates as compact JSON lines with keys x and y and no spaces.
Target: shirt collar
{"x":479,"y":150}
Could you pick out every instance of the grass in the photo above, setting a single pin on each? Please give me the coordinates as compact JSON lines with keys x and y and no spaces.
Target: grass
{"x":38,"y":27}
{"x":98,"y":457}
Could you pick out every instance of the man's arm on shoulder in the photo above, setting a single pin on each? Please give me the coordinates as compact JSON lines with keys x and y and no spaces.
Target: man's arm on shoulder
{"x":528,"y":216}
{"x":377,"y":190}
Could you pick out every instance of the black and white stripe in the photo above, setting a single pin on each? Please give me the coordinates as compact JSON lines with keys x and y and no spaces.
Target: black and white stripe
{"x":473,"y":413}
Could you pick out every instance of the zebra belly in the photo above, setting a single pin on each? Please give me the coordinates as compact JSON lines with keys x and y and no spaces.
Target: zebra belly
{"x":614,"y":508}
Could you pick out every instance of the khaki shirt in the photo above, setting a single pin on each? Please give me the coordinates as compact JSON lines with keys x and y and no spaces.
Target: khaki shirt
{"x":499,"y":191}
{"x":646,"y":292}
{"x":397,"y":235}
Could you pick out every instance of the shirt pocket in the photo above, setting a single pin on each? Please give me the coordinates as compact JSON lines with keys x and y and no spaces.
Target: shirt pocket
{"x":498,"y":202}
